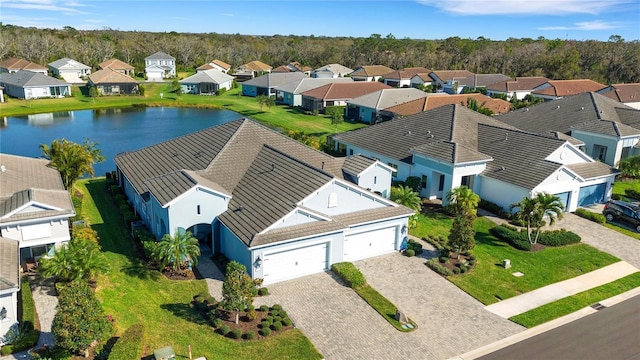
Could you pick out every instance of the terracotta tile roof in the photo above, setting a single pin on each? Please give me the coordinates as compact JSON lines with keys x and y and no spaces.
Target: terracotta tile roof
{"x":115,"y":64}
{"x":406,"y":73}
{"x":345,"y":91}
{"x":205,"y":67}
{"x":518,"y":84}
{"x":433,"y":101}
{"x":568,"y":87}
{"x":257,"y":66}
{"x":445,"y":75}
{"x":17,"y":64}
{"x":9,"y":265}
{"x":301,"y":85}
{"x":110,"y":76}
{"x":481,"y":80}
{"x":371,"y":70}
{"x":222,"y":64}
{"x":424,"y":77}
{"x":623,"y":93}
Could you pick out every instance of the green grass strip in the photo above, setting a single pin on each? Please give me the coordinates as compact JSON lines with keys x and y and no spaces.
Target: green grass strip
{"x":576,"y":302}
{"x":383,"y":306}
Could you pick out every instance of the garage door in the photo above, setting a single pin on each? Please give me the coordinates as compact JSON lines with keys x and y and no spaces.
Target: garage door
{"x":591,"y":194}
{"x":371,"y":243}
{"x":294,"y":263}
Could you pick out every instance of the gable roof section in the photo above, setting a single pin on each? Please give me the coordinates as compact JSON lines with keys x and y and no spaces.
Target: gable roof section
{"x":258,"y":200}
{"x":304,"y":84}
{"x":159,"y":56}
{"x":169,"y":186}
{"x":385,"y":98}
{"x":274,"y":80}
{"x":337,"y":69}
{"x":432,"y":101}
{"x":623,"y":93}
{"x":115,"y":64}
{"x":518,"y":84}
{"x":9,"y":266}
{"x":19,"y":64}
{"x":221,"y":63}
{"x":257,"y":66}
{"x":67,"y":63}
{"x":481,"y":80}
{"x":567,"y":87}
{"x":450,"y":152}
{"x":356,"y":164}
{"x":207,"y":76}
{"x":406,"y":73}
{"x":110,"y":76}
{"x":24,"y":78}
{"x":445,"y":75}
{"x":592,"y":170}
{"x":573,"y":111}
{"x":371,"y":70}
{"x":345,"y":91}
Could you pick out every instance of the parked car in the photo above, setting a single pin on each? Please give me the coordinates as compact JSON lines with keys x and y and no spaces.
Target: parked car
{"x":623,"y":211}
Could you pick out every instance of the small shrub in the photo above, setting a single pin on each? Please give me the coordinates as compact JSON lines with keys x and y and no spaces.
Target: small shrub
{"x":590,"y":215}
{"x":283,"y":314}
{"x":456,"y":270}
{"x":439,"y":269}
{"x":264,"y":324}
{"x":410,"y":252}
{"x":250,"y":335}
{"x":217,"y":323}
{"x":250,"y":308}
{"x":287,"y":322}
{"x":264,"y":308}
{"x":349,"y":274}
{"x":274,"y":313}
{"x":515,"y":238}
{"x":224,"y":330}
{"x":276,"y":307}
{"x":463,"y":269}
{"x":269,"y":319}
{"x":235,"y":334}
{"x":252,"y":315}
{"x":277,"y":326}
{"x":560,"y":237}
{"x":263,"y":291}
{"x":413,"y":182}
{"x":439,"y":242}
{"x":115,"y":190}
{"x":443,"y":259}
{"x":277,"y":319}
{"x":265,"y":331}
{"x":494,"y":208}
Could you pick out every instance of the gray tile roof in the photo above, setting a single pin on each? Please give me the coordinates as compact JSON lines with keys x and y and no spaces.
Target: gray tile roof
{"x":259,"y":200}
{"x":169,"y":186}
{"x":336,"y":69}
{"x":9,"y":271}
{"x":207,"y":76}
{"x":24,"y":78}
{"x":160,"y":56}
{"x":396,"y":138}
{"x":299,"y":86}
{"x":592,"y":170}
{"x":606,"y":127}
{"x":574,"y":112}
{"x":68,"y":64}
{"x":450,"y":152}
{"x":274,"y":80}
{"x":385,"y":98}
{"x":356,"y":164}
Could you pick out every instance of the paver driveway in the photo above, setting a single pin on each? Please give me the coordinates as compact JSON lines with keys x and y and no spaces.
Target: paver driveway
{"x":342,"y":326}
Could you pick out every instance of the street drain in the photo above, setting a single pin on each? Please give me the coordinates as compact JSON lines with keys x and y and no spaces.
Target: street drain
{"x":598,"y":306}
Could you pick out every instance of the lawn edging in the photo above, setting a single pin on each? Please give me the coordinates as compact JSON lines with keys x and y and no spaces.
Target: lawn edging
{"x":350,"y":274}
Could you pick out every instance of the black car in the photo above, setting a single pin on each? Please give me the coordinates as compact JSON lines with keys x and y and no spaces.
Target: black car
{"x":620,"y":210}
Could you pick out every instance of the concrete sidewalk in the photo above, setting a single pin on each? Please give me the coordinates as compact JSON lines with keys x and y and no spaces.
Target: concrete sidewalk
{"x":550,"y":293}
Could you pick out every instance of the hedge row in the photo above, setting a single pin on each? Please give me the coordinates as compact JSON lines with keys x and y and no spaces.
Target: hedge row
{"x":634,"y":194}
{"x":515,"y":238}
{"x":494,"y":208}
{"x":129,"y":345}
{"x":435,"y":266}
{"x":519,"y":239}
{"x":349,"y":274}
{"x":560,"y":237}
{"x":590,"y":215}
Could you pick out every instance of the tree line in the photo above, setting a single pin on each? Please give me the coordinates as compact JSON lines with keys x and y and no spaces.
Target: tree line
{"x":609,"y":62}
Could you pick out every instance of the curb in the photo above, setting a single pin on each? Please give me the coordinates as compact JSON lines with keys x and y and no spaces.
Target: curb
{"x":495,"y":346}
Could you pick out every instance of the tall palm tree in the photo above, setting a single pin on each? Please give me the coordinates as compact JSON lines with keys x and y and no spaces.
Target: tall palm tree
{"x":177,"y":250}
{"x":71,"y":159}
{"x":404,"y":195}
{"x":463,"y":200}
{"x":532,"y":211}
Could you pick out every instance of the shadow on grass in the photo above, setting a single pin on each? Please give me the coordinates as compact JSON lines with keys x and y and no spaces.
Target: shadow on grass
{"x":184,"y":311}
{"x":488,"y":239}
{"x":141,"y":270}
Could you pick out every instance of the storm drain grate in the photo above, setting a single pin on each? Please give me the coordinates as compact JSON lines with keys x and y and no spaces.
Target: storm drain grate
{"x":598,"y":306}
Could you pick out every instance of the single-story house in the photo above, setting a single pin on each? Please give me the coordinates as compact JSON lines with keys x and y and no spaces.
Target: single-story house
{"x":370,"y":73}
{"x":368,"y":108}
{"x":475,"y":81}
{"x":251,"y":70}
{"x":159,"y":66}
{"x":32,"y":85}
{"x":557,"y":89}
{"x":293,"y":67}
{"x":432,"y":101}
{"x":440,"y":77}
{"x":70,"y":70}
{"x":608,"y":130}
{"x":9,"y":285}
{"x":206,"y":82}
{"x":337,"y":94}
{"x":518,"y":87}
{"x":420,"y":79}
{"x":452,"y":146}
{"x":267,"y":83}
{"x":215,"y":64}
{"x":402,"y":78}
{"x":111,"y":82}
{"x":628,"y":94}
{"x":280,"y":208}
{"x":331,"y":71}
{"x":290,"y":93}
{"x":34,"y":206}
{"x":118,"y":65}
{"x":13,"y":65}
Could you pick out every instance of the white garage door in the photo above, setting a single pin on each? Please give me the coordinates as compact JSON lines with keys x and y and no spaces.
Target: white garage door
{"x":294,"y":263}
{"x":370,"y":243}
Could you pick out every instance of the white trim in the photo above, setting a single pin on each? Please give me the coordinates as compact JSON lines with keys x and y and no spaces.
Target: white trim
{"x":27,"y":222}
{"x":189,"y":191}
{"x":266,"y":252}
{"x":32,"y":203}
{"x":379,"y":220}
{"x":306,"y":211}
{"x":338,"y":231}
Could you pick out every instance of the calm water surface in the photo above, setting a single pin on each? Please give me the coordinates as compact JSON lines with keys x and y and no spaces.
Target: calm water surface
{"x":116,"y":130}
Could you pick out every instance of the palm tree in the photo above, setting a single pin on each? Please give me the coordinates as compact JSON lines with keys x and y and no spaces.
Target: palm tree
{"x":71,"y":159}
{"x":177,"y":250}
{"x":404,"y":195}
{"x":463,"y":200}
{"x":78,"y":259}
{"x":532,"y":211}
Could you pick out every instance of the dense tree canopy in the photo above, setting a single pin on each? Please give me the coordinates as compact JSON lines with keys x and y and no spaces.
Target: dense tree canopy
{"x":608,"y":62}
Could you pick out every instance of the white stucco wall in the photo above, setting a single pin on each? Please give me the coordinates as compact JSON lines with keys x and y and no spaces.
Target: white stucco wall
{"x":348,"y":199}
{"x":376,"y":178}
{"x":183,"y":211}
{"x":499,"y":192}
{"x":38,"y":232}
{"x":9,"y":301}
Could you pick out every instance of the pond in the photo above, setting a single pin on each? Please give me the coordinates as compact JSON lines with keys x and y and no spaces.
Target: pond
{"x":115,"y":130}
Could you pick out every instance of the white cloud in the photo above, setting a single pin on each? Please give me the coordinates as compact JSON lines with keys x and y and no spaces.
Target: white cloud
{"x":229,"y":15}
{"x":586,"y":25}
{"x":522,"y":7}
{"x":44,"y":5}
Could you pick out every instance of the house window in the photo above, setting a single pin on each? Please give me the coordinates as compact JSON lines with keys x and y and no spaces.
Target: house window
{"x":423,"y":181}
{"x":395,"y":169}
{"x":350,"y":151}
{"x":198,"y":209}
{"x":375,"y":180}
{"x":441,"y":184}
{"x":600,"y":152}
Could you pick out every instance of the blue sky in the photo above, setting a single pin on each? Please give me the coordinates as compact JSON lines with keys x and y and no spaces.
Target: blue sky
{"x":421,"y":19}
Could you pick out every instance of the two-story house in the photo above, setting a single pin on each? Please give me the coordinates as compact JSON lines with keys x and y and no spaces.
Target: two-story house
{"x":159,"y":66}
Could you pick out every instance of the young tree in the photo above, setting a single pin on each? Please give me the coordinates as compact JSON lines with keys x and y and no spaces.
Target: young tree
{"x":336,"y":113}
{"x":461,"y":236}
{"x":176,"y":87}
{"x":79,"y":259}
{"x":532,"y":211}
{"x":270,"y":101}
{"x":262,"y":100}
{"x":238,"y":289}
{"x":177,"y":250}
{"x":463,"y":200}
{"x":79,"y":319}
{"x":71,"y":159}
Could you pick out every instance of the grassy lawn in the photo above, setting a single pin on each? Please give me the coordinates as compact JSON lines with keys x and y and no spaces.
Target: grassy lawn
{"x":576,"y":302}
{"x":282,"y":117}
{"x":133,"y":294}
{"x":621,"y":185}
{"x":432,"y":223}
{"x":382,"y":305}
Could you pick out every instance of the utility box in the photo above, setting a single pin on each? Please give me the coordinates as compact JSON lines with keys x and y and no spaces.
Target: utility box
{"x":506,"y":263}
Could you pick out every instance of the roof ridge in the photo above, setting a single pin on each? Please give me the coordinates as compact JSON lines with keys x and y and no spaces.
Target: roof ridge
{"x":227,"y":143}
{"x":523,"y":132}
{"x":290,"y":157}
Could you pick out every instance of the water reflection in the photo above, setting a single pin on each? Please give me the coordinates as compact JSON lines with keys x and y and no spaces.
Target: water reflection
{"x":49,"y":118}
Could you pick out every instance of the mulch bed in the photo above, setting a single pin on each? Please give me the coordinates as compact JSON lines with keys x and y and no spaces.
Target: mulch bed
{"x":228,"y":318}
{"x":172,"y":274}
